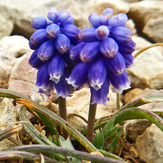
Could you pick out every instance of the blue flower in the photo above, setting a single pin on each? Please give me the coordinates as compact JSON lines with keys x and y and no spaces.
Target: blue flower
{"x":104,"y":53}
{"x":51,"y":43}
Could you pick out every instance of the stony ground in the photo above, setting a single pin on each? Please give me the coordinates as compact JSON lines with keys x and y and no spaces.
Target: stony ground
{"x":146,"y":75}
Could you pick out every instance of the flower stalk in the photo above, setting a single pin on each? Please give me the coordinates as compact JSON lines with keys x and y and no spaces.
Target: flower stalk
{"x":63,"y":112}
{"x":91,"y":121}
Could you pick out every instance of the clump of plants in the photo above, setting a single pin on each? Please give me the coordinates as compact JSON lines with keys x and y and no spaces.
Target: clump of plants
{"x":67,"y":59}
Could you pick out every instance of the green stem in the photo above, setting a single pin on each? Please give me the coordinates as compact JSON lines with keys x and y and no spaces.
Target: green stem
{"x":63,"y":112}
{"x":91,"y":121}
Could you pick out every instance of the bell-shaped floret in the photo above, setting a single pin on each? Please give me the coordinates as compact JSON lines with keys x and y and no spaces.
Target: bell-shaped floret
{"x":97,"y":73}
{"x":118,"y":20}
{"x":119,"y":82}
{"x":71,"y":31}
{"x":116,"y":64}
{"x":39,"y":22}
{"x":52,"y":31}
{"x":62,"y":88}
{"x":34,"y":61}
{"x":94,"y":19}
{"x":75,"y":51}
{"x":37,"y":38}
{"x":90,"y":51}
{"x":108,"y":47}
{"x":79,"y":75}
{"x":52,"y":14}
{"x":128,"y":47}
{"x":42,"y":81}
{"x":129,"y":60}
{"x":102,"y":32}
{"x":56,"y":67}
{"x":87,"y":34}
{"x":65,"y":19}
{"x":103,"y":20}
{"x":100,"y":96}
{"x":46,"y":51}
{"x":62,"y":44}
{"x":108,"y":12}
{"x":121,"y":34}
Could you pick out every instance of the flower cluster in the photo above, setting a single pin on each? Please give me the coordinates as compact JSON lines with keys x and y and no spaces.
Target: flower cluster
{"x":51,"y":43}
{"x":105,"y":53}
{"x":94,"y":56}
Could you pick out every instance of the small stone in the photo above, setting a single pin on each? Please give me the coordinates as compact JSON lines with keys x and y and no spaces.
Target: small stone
{"x":134,"y":128}
{"x":149,"y":145}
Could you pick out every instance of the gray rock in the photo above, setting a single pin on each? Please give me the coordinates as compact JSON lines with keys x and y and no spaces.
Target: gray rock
{"x":154,"y":29}
{"x":149,"y":145}
{"x":8,"y":116}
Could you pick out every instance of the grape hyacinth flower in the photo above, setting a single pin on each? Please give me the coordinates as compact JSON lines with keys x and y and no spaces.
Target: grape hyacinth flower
{"x":105,"y":51}
{"x":51,"y":43}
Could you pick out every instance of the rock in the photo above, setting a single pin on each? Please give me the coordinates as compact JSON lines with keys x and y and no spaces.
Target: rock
{"x":153,"y":29}
{"x":144,"y":74}
{"x":79,"y":104}
{"x":149,"y":145}
{"x":10,"y":48}
{"x":134,"y":128}
{"x":140,"y":42}
{"x":15,"y":45}
{"x":76,"y":8}
{"x":8,"y":116}
{"x":99,"y":6}
{"x":137,"y":93}
{"x":23,"y":78}
{"x":6,"y":64}
{"x":141,"y":12}
{"x":6,"y":27}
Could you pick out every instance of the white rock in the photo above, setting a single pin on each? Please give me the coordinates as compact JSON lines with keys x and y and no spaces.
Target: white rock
{"x":154,"y":29}
{"x":15,"y":45}
{"x":142,"y":11}
{"x":6,"y":27}
{"x":149,"y":145}
{"x":99,"y":6}
{"x":147,"y":69}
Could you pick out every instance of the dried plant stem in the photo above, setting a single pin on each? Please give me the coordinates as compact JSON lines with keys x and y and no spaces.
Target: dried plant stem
{"x":148,"y":47}
{"x":63,"y":112}
{"x":91,"y":121}
{"x":117,"y":101}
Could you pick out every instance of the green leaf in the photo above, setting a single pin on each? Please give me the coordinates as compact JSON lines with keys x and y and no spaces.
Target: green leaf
{"x":67,"y":144}
{"x":8,"y":155}
{"x":69,"y":152}
{"x":99,"y":141}
{"x":48,"y":116}
{"x":10,"y":131}
{"x":137,"y":113}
